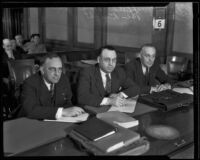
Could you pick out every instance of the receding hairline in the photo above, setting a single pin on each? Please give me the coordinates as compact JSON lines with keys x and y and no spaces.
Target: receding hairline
{"x":147,"y":46}
{"x":50,"y":58}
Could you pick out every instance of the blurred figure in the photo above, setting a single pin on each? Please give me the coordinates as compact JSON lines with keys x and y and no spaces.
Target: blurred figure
{"x":7,"y":54}
{"x":28,"y":44}
{"x":20,"y":44}
{"x":19,"y":40}
{"x":36,"y":46}
{"x":17,"y":48}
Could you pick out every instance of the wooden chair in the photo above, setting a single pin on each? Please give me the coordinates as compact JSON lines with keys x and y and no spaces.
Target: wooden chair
{"x":19,"y":70}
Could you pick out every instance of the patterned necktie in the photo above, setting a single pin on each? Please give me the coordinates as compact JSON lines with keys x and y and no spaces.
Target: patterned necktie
{"x":108,"y":84}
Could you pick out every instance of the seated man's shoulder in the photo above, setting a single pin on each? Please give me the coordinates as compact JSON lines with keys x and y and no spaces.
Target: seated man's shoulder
{"x":33,"y":79}
{"x":90,"y":69}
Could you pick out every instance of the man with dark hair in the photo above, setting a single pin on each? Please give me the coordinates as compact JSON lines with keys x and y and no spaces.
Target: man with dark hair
{"x":34,"y":46}
{"x":146,"y":72}
{"x":47,"y":94}
{"x":104,"y":83}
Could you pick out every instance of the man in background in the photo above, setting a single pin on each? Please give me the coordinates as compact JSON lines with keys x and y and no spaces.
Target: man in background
{"x":146,"y":72}
{"x":36,"y":46}
{"x":47,"y":94}
{"x":105,"y":83}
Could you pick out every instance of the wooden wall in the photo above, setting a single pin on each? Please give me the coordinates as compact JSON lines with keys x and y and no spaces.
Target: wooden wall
{"x":127,"y":28}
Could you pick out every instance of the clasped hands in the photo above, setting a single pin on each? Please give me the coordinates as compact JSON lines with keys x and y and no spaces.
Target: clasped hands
{"x":161,"y":87}
{"x":72,"y":111}
{"x":117,"y":100}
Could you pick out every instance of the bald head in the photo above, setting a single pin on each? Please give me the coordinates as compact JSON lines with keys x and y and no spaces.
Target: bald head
{"x":7,"y":45}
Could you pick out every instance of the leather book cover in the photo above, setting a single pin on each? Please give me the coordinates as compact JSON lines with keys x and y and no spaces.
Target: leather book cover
{"x":95,"y":129}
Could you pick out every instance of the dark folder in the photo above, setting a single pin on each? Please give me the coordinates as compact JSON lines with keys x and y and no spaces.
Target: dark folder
{"x":95,"y":129}
{"x":24,"y":134}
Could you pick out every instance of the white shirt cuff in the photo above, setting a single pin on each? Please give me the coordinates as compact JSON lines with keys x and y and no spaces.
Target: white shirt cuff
{"x":124,"y":95}
{"x":104,"y":101}
{"x":59,"y":113}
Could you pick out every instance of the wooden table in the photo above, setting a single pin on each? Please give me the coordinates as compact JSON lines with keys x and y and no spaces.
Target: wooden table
{"x":181,"y":119}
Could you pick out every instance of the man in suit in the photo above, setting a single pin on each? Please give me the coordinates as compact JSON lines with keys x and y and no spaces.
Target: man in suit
{"x":36,"y":47}
{"x":146,"y":72}
{"x":104,"y":83}
{"x":47,"y":94}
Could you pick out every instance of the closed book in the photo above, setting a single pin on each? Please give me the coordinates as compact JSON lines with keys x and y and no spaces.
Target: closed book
{"x":118,"y":118}
{"x":110,"y":144}
{"x":123,"y":137}
{"x":95,"y":129}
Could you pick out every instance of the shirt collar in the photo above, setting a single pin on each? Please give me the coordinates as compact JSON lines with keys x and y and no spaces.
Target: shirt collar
{"x":103,"y":73}
{"x":47,"y":84}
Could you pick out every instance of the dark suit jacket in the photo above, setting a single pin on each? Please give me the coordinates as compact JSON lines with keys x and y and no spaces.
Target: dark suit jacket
{"x":156,"y":75}
{"x":36,"y":98}
{"x":90,"y":88}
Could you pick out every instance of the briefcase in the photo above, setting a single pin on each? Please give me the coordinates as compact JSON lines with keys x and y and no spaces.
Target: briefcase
{"x":166,"y":100}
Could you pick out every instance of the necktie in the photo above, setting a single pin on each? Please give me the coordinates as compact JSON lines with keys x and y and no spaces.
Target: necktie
{"x":147,"y":75}
{"x":52,"y":90}
{"x":108,"y":84}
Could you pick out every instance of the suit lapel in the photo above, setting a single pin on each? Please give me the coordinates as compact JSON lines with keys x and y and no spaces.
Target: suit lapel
{"x":45,"y":94}
{"x":98,"y":79}
{"x":114,"y":82}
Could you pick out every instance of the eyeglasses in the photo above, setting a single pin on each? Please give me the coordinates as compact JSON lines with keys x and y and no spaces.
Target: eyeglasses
{"x":54,"y":69}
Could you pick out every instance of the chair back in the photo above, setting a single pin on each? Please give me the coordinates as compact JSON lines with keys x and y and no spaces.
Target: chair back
{"x":176,"y":64}
{"x":20,"y":70}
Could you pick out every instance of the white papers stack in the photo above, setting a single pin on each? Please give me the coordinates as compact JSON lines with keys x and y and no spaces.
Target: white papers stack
{"x":184,"y":90}
{"x":80,"y":118}
{"x":129,"y":106}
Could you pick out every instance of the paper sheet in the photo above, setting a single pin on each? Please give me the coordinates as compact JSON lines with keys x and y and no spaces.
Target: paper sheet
{"x":183,"y":90}
{"x":128,"y":108}
{"x":92,"y":62}
{"x":80,"y":118}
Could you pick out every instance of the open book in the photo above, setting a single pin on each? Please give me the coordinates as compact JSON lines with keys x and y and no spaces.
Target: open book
{"x":129,"y":106}
{"x":80,"y":118}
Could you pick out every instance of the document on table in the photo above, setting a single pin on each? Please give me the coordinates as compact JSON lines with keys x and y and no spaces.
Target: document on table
{"x":80,"y":118}
{"x":183,"y":90}
{"x":129,"y":106}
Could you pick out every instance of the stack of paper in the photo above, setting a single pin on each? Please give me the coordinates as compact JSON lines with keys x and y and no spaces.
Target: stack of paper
{"x":80,"y":118}
{"x":129,"y":106}
{"x":118,"y":118}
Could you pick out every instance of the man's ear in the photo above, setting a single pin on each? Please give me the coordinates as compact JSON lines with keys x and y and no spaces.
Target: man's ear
{"x":42,"y":70}
{"x":98,"y":59}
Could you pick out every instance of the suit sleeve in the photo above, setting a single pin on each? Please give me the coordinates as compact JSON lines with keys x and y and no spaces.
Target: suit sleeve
{"x":130,"y":88}
{"x":31,"y":105}
{"x":162,"y":77}
{"x":85,"y":97}
{"x":68,"y":93}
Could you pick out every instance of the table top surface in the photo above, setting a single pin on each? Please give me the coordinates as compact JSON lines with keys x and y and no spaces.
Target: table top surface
{"x":181,"y":119}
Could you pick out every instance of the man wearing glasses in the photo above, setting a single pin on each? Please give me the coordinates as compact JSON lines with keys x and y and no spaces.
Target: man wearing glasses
{"x":146,"y":72}
{"x":47,"y":94}
{"x":105,"y":83}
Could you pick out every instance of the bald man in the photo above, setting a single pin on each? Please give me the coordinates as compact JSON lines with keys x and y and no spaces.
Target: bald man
{"x":146,"y":72}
